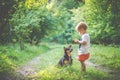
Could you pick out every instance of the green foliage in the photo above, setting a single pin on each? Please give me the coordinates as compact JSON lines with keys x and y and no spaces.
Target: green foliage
{"x":71,"y":4}
{"x":106,"y":55}
{"x":33,"y":25}
{"x":102,"y":17}
{"x":65,"y":29}
{"x":12,"y":57}
{"x":68,"y":73}
{"x":64,"y":37}
{"x":33,"y":20}
{"x":6,"y":65}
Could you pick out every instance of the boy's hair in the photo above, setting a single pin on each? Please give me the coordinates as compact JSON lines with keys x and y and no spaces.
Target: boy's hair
{"x":81,"y":25}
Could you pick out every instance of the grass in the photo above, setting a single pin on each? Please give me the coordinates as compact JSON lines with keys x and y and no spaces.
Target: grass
{"x":49,"y":71}
{"x":69,"y":73}
{"x":50,"y":54}
{"x":12,"y":57}
{"x":106,"y":55}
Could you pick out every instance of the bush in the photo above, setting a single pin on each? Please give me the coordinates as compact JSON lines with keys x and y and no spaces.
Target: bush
{"x":6,"y":64}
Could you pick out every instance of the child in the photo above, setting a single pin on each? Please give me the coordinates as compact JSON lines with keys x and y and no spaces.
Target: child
{"x":84,"y":44}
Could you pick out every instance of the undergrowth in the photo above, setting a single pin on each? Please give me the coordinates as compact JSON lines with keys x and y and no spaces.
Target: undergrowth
{"x":12,"y":57}
{"x":50,"y":53}
{"x":106,"y":55}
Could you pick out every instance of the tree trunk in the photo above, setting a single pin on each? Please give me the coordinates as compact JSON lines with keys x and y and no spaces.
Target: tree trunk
{"x":21,"y":44}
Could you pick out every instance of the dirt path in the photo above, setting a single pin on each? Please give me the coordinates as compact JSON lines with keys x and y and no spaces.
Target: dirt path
{"x":30,"y":67}
{"x":98,"y":67}
{"x":38,"y":63}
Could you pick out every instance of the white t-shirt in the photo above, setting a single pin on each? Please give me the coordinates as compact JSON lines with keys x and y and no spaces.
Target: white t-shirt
{"x":84,"y":49}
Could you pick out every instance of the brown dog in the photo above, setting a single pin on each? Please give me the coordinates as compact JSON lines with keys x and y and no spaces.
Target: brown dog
{"x":66,"y":59}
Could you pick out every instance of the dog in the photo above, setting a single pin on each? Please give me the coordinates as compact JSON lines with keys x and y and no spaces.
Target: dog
{"x":66,"y":59}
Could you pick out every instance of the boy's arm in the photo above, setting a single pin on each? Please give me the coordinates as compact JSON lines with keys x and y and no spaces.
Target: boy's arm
{"x":80,"y":42}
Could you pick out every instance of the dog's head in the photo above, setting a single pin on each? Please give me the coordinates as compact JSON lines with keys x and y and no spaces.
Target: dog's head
{"x":68,"y":50}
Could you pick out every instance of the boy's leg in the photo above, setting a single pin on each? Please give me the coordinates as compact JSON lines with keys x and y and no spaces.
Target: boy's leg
{"x":83,"y":66}
{"x":82,"y":58}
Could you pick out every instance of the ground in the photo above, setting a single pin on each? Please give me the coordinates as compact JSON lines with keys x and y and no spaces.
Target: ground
{"x":41,"y":62}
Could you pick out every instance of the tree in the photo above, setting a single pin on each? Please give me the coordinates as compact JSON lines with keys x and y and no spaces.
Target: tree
{"x":6,"y":9}
{"x":26,"y":19}
{"x":32,"y":23}
{"x":103,"y":17}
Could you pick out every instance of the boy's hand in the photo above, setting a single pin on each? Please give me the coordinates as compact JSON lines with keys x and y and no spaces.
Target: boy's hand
{"x":76,"y":40}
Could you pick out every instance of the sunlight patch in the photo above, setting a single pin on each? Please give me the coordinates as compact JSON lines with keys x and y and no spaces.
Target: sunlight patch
{"x":46,"y":73}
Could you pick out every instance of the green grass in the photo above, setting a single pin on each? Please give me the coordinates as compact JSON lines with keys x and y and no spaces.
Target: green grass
{"x":12,"y":57}
{"x":106,"y":55}
{"x":49,"y":71}
{"x":69,"y":73}
{"x":50,"y":54}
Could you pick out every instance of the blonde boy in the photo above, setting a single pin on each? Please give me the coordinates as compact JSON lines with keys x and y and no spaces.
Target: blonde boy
{"x":83,"y":51}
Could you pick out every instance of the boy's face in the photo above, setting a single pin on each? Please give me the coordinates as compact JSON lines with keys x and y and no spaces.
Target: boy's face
{"x":82,"y":31}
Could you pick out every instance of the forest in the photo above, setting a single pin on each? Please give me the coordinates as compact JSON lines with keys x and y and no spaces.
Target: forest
{"x":31,"y":29}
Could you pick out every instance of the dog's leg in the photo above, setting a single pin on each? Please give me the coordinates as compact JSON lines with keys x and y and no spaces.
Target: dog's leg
{"x":60,"y":63}
{"x":70,"y":60}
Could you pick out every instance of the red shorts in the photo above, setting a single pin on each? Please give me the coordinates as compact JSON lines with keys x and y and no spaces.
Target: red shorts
{"x":83,"y":57}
